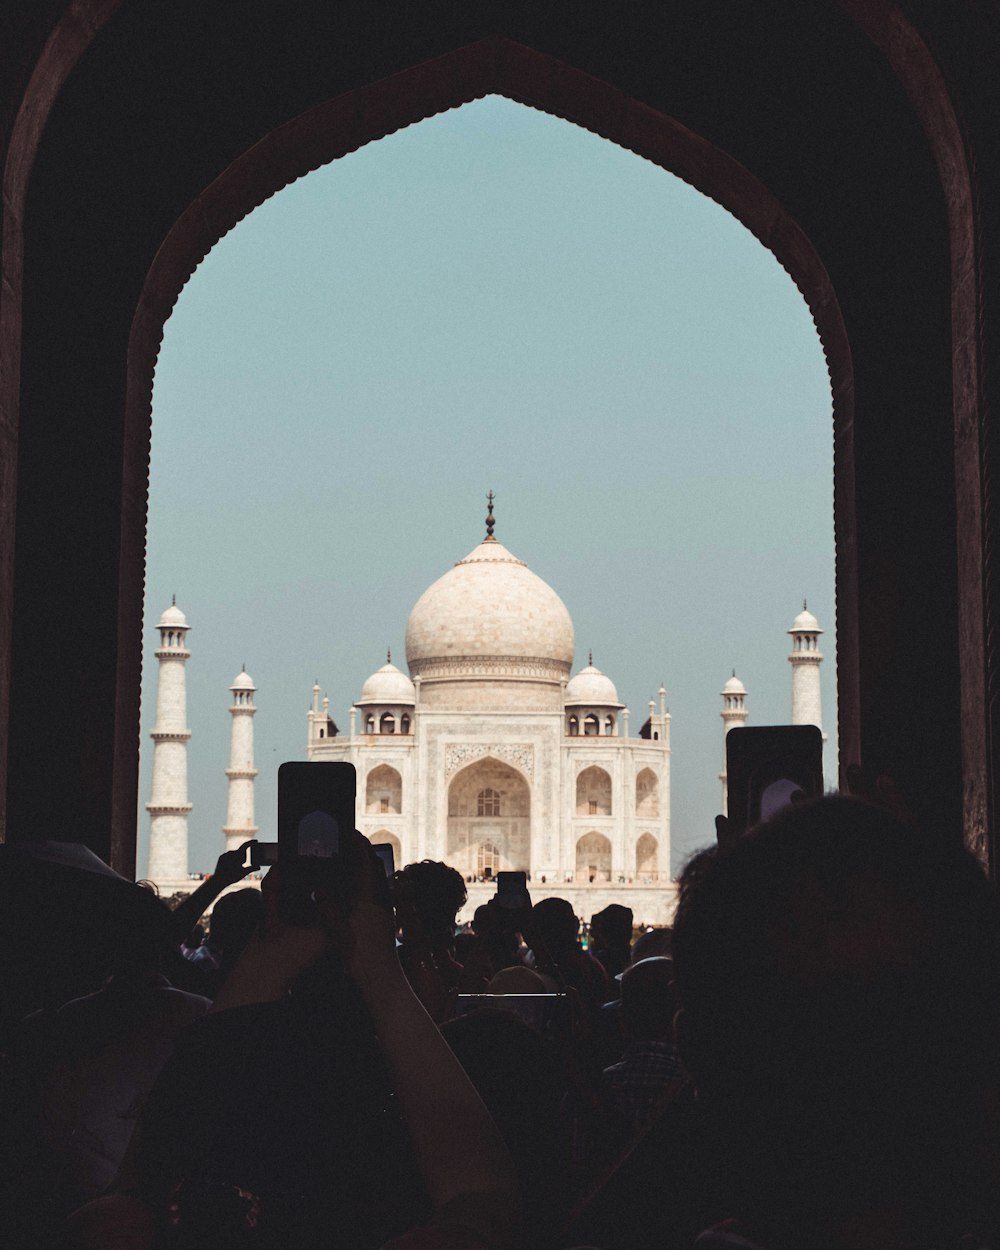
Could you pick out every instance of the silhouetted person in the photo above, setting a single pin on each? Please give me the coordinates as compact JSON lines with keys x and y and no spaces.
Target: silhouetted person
{"x":839,"y":982}
{"x":315,"y":1105}
{"x":653,"y":942}
{"x":495,"y":948}
{"x":521,"y":1079}
{"x":611,"y":938}
{"x":81,"y":1071}
{"x":554,"y":940}
{"x":428,"y":897}
{"x":650,"y":1072}
{"x":235,"y":919}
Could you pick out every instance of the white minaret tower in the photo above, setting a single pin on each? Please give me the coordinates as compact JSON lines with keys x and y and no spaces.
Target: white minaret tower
{"x":168,"y":806}
{"x":734,"y":712}
{"x":239,"y":826}
{"x":805,"y":660}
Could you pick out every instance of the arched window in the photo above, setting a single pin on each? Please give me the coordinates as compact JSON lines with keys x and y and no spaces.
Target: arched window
{"x":609,"y":726}
{"x":574,"y":727}
{"x":404,"y":727}
{"x":591,"y":726}
{"x":593,"y":859}
{"x":646,"y":860}
{"x":488,"y":803}
{"x":593,"y":792}
{"x":487,"y":860}
{"x":384,"y":792}
{"x":387,"y":725}
{"x":370,"y":725}
{"x":647,"y":794}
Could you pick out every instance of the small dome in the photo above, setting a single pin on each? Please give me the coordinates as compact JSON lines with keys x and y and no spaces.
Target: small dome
{"x":173,"y":618}
{"x":805,"y":621}
{"x":734,"y":686}
{"x":243,"y":681}
{"x":591,"y":687}
{"x":388,"y":685}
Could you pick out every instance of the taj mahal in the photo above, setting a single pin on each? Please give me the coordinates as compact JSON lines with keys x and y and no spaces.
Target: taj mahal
{"x":489,"y":753}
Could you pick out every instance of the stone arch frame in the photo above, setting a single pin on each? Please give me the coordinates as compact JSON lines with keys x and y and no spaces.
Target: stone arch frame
{"x":590,"y":780}
{"x":603,"y":83}
{"x":600,"y":849}
{"x":384,"y":777}
{"x":647,"y":793}
{"x":517,"y":822}
{"x":647,"y":846}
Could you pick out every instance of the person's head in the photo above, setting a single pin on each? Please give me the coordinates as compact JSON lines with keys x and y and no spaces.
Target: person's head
{"x":648,"y":1002}
{"x":653,"y":942}
{"x":612,"y":927}
{"x":235,"y":918}
{"x":438,"y":893}
{"x":483,"y":922}
{"x":517,"y":980}
{"x":838,"y":975}
{"x":554,"y":925}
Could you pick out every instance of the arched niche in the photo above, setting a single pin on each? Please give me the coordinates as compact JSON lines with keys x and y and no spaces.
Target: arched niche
{"x":593,"y":859}
{"x":593,"y":792}
{"x":647,"y":859}
{"x":647,"y":793}
{"x":489,"y":806}
{"x":857,"y":177}
{"x":383,"y":791}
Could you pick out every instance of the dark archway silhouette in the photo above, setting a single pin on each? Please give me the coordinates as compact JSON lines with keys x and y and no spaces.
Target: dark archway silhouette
{"x":141,"y":133}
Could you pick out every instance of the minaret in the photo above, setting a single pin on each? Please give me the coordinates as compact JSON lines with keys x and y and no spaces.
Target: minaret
{"x":239,"y":826}
{"x":168,"y":806}
{"x":734,"y":712}
{"x":805,"y":660}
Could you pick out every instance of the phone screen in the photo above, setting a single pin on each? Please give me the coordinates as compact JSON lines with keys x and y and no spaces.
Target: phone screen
{"x":384,"y":852}
{"x":316,"y":801}
{"x":768,"y":767}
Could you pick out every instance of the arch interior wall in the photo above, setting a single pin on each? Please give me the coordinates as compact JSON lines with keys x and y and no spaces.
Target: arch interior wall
{"x":687,"y":87}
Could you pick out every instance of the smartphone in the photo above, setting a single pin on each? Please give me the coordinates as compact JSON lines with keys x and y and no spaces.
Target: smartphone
{"x":768,"y":767}
{"x":315,"y":802}
{"x":316,"y":809}
{"x":512,"y":891}
{"x":384,"y":852}
{"x":263,"y":854}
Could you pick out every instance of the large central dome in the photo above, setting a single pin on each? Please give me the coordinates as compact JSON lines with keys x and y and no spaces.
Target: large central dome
{"x":489,"y":618}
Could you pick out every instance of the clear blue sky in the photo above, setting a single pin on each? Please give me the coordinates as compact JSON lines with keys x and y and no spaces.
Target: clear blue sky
{"x":490,"y":299}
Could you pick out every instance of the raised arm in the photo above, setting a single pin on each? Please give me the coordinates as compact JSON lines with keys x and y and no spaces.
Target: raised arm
{"x":465,"y":1164}
{"x":229,"y":868}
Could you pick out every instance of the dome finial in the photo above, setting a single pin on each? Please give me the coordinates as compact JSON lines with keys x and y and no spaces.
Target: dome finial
{"x":388,"y":655}
{"x":173,"y":601}
{"x":590,"y":658}
{"x":489,"y":517}
{"x":734,"y":672}
{"x":805,"y":606}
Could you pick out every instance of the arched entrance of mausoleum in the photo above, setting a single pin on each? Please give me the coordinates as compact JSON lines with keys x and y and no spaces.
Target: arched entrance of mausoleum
{"x":489,"y":820}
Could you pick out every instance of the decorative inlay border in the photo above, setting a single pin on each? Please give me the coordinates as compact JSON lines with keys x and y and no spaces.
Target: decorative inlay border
{"x":521,"y":754}
{"x":436,"y":668}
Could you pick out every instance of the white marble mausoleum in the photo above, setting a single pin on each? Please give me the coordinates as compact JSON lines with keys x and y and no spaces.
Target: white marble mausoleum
{"x":492,"y":755}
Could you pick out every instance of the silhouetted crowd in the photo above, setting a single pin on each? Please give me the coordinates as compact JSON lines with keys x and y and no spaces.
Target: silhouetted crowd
{"x":809,"y":1059}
